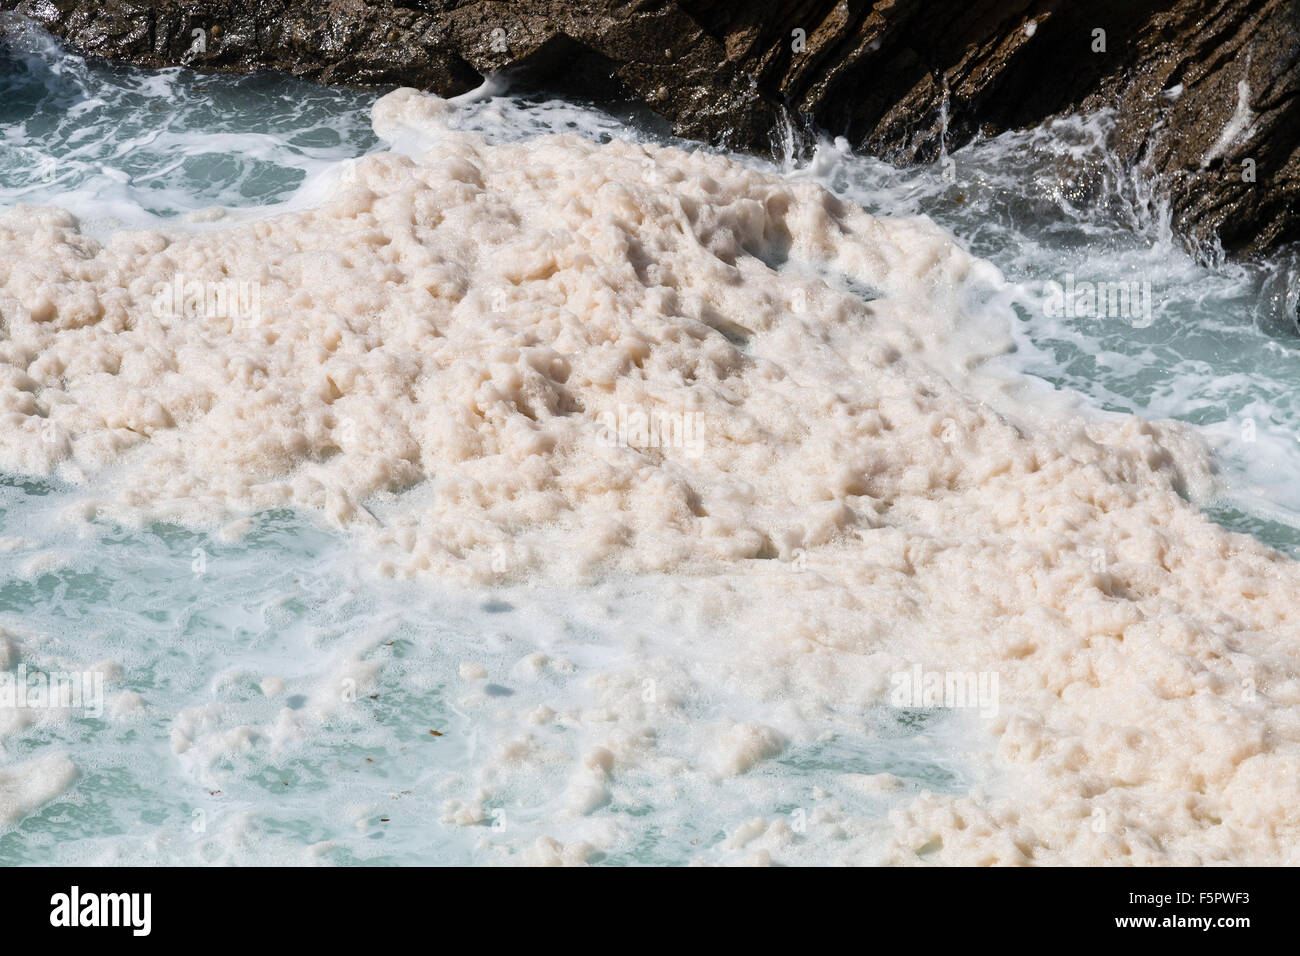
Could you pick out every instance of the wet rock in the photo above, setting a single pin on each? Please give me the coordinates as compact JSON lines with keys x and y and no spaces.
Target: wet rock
{"x":1204,"y":91}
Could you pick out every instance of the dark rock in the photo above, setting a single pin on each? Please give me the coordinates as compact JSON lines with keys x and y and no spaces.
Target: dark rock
{"x":898,"y":78}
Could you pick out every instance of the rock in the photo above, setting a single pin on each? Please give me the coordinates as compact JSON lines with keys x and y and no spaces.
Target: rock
{"x":1205,"y":91}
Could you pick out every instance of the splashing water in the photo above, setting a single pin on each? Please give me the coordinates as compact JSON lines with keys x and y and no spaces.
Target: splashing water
{"x":226,"y":737}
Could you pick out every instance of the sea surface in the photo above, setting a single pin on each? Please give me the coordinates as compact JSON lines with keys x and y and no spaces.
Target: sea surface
{"x":194,"y":625}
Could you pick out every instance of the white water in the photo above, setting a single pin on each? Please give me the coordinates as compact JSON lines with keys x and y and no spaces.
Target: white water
{"x":198,"y":721}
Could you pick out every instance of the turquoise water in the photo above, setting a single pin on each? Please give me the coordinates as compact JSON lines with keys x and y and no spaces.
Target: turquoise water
{"x":363,"y":781}
{"x":121,"y":144}
{"x":340,"y":764}
{"x":1219,"y":349}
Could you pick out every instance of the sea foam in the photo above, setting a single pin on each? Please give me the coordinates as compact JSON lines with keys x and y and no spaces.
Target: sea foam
{"x":440,"y":343}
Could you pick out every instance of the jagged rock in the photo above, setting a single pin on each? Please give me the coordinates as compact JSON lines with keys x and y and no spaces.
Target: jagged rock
{"x":1205,"y":91}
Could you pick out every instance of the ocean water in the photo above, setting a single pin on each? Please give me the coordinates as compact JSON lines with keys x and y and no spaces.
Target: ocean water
{"x":272,"y":699}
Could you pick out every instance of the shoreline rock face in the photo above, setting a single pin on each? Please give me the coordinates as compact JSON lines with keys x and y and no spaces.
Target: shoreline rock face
{"x":1205,"y":92}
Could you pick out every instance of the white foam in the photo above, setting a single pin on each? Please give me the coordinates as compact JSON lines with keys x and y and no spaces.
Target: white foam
{"x":437,"y":344}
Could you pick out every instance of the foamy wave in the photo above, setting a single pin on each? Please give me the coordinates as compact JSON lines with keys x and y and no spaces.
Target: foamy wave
{"x":557,"y":358}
